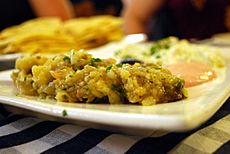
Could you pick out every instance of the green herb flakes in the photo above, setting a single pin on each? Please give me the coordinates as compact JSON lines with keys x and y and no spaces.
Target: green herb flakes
{"x":66,"y":59}
{"x":119,"y":65}
{"x":64,"y":113}
{"x":94,"y":61}
{"x":109,"y":68}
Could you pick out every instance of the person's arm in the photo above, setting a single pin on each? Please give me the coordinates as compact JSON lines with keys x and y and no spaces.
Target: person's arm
{"x":59,"y":8}
{"x":137,"y":13}
{"x":227,"y":18}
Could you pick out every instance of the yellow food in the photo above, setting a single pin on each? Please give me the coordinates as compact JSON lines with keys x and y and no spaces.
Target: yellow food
{"x":51,"y":35}
{"x":78,"y":77}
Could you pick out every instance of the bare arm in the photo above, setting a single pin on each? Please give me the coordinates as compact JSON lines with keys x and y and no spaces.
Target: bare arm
{"x":227,"y":18}
{"x":137,"y":13}
{"x":59,"y":8}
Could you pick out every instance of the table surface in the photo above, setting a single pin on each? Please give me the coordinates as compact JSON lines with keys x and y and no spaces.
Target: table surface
{"x":23,"y":134}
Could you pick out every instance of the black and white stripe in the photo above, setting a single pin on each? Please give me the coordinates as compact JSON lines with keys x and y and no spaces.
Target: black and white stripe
{"x":18,"y":125}
{"x":81,"y":143}
{"x":28,"y":134}
{"x":54,"y":138}
{"x":20,"y":134}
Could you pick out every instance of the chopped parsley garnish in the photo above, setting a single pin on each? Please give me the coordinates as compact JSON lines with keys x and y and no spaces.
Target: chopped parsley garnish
{"x":158,"y":56}
{"x":119,"y":65}
{"x":109,"y":68}
{"x":66,"y":59}
{"x":38,"y":57}
{"x":117,"y":88}
{"x":64,"y":113}
{"x":114,"y":88}
{"x":121,"y":91}
{"x":94,"y":61}
{"x":158,"y":68}
{"x":117,"y":52}
{"x":180,"y":84}
{"x":128,"y":56}
{"x":72,"y":75}
{"x":158,"y":45}
{"x":154,"y":49}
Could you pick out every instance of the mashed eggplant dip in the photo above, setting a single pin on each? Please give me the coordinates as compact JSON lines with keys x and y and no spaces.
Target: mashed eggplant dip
{"x":195,"y":63}
{"x":78,"y":77}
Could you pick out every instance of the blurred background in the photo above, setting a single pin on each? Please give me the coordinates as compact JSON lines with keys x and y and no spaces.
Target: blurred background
{"x":191,"y":19}
{"x":15,"y":12}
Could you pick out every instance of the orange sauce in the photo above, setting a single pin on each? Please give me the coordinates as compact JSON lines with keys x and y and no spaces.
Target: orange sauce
{"x":194,"y":73}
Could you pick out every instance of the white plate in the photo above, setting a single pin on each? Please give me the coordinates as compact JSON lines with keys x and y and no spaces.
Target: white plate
{"x":108,"y":50}
{"x":9,"y":57}
{"x":202,"y":103}
{"x":7,"y":61}
{"x":222,"y":39}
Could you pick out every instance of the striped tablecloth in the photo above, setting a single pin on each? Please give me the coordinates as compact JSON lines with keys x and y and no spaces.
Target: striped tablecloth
{"x":22,"y":134}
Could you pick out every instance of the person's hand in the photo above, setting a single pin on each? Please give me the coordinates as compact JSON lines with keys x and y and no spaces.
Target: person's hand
{"x":58,"y":8}
{"x":137,"y":13}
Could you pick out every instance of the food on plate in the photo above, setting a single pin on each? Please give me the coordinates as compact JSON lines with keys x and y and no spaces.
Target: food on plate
{"x":94,"y":31}
{"x":180,"y":57}
{"x":78,"y":77}
{"x":194,"y":73}
{"x":51,"y":35}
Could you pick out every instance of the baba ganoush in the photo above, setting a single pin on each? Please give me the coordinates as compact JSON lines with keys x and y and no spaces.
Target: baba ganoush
{"x":78,"y":77}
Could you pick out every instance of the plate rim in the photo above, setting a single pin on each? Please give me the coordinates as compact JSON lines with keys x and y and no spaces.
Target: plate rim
{"x":176,"y":123}
{"x":133,"y":120}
